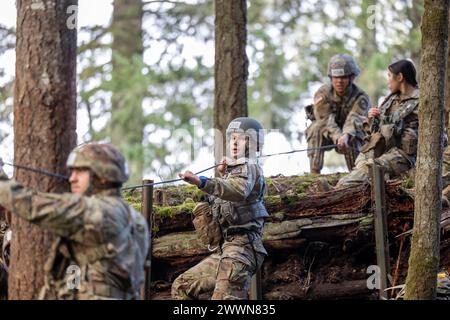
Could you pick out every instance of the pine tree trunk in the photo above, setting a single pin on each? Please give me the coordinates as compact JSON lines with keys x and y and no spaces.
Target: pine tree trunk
{"x":44,"y":125}
{"x":424,"y":257}
{"x":231,"y":67}
{"x":127,"y":118}
{"x":447,"y":94}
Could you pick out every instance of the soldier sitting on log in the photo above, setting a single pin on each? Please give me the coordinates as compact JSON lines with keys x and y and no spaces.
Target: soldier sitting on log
{"x":393,"y":128}
{"x":233,"y":224}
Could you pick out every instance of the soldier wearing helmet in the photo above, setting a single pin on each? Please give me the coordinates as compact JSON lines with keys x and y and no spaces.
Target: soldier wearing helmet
{"x":102,"y":242}
{"x":392,"y":129}
{"x":233,"y":220}
{"x":337,"y":114}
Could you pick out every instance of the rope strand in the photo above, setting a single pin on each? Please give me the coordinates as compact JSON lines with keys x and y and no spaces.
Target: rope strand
{"x":40,"y":171}
{"x":166,"y":181}
{"x":63,"y":177}
{"x":262,"y":156}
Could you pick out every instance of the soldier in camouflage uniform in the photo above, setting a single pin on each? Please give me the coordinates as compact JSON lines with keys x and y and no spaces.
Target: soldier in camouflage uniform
{"x":238,"y":209}
{"x":337,"y":114}
{"x":393,"y":128}
{"x":102,"y":242}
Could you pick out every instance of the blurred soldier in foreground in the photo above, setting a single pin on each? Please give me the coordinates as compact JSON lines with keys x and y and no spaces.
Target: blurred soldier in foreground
{"x":233,"y":224}
{"x":102,"y":242}
{"x":337,"y":114}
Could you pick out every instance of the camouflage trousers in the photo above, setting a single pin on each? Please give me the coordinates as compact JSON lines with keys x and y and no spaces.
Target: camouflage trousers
{"x":394,"y":163}
{"x":318,"y":135}
{"x":225,"y":275}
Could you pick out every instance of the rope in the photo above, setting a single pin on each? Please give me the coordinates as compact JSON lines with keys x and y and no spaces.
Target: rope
{"x":40,"y":171}
{"x":166,"y":181}
{"x":262,"y":156}
{"x":63,"y":177}
{"x":331,"y":146}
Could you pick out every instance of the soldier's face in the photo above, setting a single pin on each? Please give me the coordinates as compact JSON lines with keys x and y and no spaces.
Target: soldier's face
{"x":340,"y":84}
{"x":237,"y":145}
{"x":394,"y":82}
{"x":79,"y":180}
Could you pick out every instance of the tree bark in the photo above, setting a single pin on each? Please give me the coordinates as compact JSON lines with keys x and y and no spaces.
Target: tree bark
{"x":44,"y":125}
{"x":231,"y":68}
{"x":424,"y":257}
{"x":127,"y":118}
{"x":447,"y":93}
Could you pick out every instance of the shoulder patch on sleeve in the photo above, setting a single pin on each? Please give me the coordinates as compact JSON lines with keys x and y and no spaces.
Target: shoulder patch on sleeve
{"x":236,"y":170}
{"x":318,"y":98}
{"x":364,"y":102}
{"x":240,"y":170}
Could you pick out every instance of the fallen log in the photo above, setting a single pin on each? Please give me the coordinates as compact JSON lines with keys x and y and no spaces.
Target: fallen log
{"x":352,"y":289}
{"x":331,"y":234}
{"x":286,"y":206}
{"x":289,"y":234}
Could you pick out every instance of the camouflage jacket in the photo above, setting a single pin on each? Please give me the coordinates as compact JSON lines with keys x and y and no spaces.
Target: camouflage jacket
{"x":398,"y":124}
{"x":238,"y":199}
{"x":344,"y":114}
{"x":102,"y":241}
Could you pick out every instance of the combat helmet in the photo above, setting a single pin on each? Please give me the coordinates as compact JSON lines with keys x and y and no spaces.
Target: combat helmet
{"x":342,"y":65}
{"x":104,"y":161}
{"x":250,"y":127}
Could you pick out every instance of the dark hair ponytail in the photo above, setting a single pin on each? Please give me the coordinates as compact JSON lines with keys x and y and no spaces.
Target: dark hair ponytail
{"x":406,"y":68}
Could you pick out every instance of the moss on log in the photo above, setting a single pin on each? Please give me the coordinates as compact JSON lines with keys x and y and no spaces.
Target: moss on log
{"x":288,"y":198}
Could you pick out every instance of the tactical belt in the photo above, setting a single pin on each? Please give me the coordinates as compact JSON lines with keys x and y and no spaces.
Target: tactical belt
{"x":250,"y":236}
{"x":239,"y":232}
{"x":246,"y":212}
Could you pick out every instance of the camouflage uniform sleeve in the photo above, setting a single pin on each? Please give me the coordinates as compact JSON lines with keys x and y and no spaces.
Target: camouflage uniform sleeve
{"x":62,"y":213}
{"x":323,"y":113}
{"x":322,"y":109}
{"x":357,"y":117}
{"x":410,"y":133}
{"x":236,"y":187}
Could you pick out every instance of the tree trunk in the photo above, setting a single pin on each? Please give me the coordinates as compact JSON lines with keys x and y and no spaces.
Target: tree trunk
{"x":127,"y":118}
{"x":424,"y":257}
{"x":44,"y":124}
{"x":231,"y":68}
{"x":447,"y":94}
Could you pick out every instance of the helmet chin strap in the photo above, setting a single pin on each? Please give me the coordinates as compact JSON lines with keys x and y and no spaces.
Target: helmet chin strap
{"x":95,"y":186}
{"x":99,"y":186}
{"x":258,"y":154}
{"x":90,"y":190}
